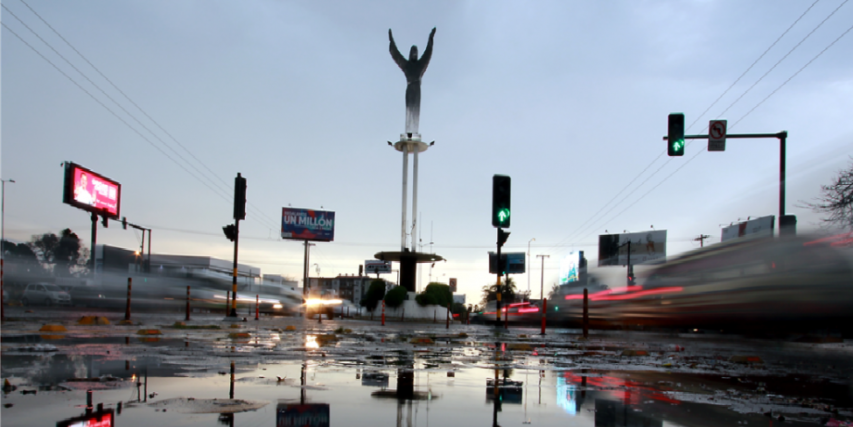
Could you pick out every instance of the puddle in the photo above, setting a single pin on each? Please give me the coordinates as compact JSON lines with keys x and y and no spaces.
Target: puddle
{"x":397,"y":387}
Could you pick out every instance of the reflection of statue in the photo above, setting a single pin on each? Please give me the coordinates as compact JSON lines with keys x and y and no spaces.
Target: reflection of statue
{"x":414,"y":69}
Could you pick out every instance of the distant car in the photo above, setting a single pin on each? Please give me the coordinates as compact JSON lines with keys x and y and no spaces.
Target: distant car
{"x":45,"y":294}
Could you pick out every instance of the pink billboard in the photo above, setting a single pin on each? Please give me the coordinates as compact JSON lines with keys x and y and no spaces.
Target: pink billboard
{"x":90,"y":191}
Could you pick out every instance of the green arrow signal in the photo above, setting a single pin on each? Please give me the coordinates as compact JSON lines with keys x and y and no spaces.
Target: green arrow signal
{"x":503,"y":215}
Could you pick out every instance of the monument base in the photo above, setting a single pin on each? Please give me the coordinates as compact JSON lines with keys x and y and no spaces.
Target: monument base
{"x":408,"y":265}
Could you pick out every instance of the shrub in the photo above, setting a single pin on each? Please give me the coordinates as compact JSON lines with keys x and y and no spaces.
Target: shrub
{"x":395,"y":297}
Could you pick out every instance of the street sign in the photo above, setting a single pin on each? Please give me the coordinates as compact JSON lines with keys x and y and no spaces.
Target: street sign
{"x":717,"y":135}
{"x":376,"y":266}
{"x":452,"y":285}
{"x":514,"y":262}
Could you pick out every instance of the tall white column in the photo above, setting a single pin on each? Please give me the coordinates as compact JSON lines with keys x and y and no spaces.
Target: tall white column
{"x":405,"y":195}
{"x":415,"y":202}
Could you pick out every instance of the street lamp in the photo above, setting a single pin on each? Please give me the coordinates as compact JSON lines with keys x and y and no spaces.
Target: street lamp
{"x":528,"y":268}
{"x":3,"y":218}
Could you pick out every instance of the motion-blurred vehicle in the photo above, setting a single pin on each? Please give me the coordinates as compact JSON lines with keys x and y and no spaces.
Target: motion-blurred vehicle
{"x":768,"y":284}
{"x":45,"y":294}
{"x":516,"y":312}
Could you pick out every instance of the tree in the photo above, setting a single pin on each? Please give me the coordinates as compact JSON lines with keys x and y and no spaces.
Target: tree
{"x":395,"y":297}
{"x":22,"y":255}
{"x":508,"y":291}
{"x":64,"y":253}
{"x":435,"y":294}
{"x":375,"y":293}
{"x":836,"y":201}
{"x":555,"y":289}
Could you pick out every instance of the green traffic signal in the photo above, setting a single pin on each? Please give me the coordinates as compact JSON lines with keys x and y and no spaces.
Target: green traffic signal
{"x":675,"y":135}
{"x":503,"y":216}
{"x":501,"y":186}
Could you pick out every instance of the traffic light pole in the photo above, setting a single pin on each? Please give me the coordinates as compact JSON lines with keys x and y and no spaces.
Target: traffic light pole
{"x":782,"y":137}
{"x":498,"y":312}
{"x":234,"y":275}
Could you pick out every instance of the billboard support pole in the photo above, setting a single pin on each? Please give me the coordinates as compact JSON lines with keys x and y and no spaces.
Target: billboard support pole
{"x":305,"y":272}
{"x":234,"y":274}
{"x":94,"y":241}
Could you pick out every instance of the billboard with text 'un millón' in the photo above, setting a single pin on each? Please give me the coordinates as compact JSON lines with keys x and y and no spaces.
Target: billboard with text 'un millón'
{"x":307,"y":224}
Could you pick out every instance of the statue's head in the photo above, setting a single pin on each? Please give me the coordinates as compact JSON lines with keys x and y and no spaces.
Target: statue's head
{"x":413,"y":53}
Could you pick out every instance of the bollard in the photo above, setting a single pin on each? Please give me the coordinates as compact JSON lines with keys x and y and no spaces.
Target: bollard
{"x":257,"y":307}
{"x":231,"y":392}
{"x":383,"y":312}
{"x":447,"y":326}
{"x":585,"y":313}
{"x":88,"y":400}
{"x":127,"y":310}
{"x":544,"y":308}
{"x":188,"y":303}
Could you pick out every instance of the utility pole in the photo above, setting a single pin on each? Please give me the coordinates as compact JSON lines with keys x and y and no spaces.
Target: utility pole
{"x":528,"y":268}
{"x":701,"y":240}
{"x":542,"y":283}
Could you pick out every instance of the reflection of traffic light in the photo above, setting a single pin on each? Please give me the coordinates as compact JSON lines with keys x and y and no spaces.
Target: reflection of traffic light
{"x":230,"y":232}
{"x":239,"y":197}
{"x":500,"y":201}
{"x":675,"y":136}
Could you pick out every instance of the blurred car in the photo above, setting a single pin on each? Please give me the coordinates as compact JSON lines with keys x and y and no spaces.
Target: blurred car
{"x":46,"y":294}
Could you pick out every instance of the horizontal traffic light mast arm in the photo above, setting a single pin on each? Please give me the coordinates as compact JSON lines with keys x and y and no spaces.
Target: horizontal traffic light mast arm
{"x":783,"y":134}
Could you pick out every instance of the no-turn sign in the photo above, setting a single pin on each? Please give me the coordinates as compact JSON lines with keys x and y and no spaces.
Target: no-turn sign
{"x":717,"y":135}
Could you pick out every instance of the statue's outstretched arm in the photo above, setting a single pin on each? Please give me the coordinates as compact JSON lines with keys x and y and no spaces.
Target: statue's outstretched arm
{"x":395,"y":53}
{"x":424,"y":61}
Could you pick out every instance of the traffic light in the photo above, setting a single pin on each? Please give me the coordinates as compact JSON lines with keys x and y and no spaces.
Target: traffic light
{"x":230,"y":232}
{"x":124,"y":222}
{"x":500,"y":201}
{"x":239,"y":197}
{"x":675,"y":136}
{"x":631,"y":280}
{"x":502,"y":236}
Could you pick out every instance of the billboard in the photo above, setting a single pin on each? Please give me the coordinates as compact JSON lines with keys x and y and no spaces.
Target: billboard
{"x":645,"y":246}
{"x":376,"y":266}
{"x":91,"y":191}
{"x":757,"y":227}
{"x":570,"y":267}
{"x":514,"y":262}
{"x":94,"y":419}
{"x":307,"y":224}
{"x":308,"y":415}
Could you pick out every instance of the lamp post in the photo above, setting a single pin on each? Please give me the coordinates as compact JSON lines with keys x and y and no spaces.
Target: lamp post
{"x":3,"y":218}
{"x":528,"y":268}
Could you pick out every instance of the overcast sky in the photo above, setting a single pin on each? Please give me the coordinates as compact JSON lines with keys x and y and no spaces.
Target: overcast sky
{"x":569,"y":98}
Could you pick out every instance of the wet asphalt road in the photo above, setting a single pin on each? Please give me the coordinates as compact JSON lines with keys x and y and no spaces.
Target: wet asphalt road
{"x":352,"y":365}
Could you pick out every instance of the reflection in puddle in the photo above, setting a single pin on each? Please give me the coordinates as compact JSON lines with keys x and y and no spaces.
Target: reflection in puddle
{"x":311,"y":342}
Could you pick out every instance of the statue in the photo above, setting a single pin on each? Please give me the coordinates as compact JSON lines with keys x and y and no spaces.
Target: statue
{"x":414,"y":69}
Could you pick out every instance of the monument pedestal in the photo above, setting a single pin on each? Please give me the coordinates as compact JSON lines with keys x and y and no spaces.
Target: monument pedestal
{"x":408,"y":265}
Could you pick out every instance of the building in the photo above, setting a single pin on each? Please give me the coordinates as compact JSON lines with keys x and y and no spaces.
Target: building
{"x":350,"y":288}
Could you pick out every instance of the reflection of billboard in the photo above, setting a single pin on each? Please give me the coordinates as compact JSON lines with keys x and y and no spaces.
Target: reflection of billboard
{"x":570,"y":268}
{"x":514,"y":262}
{"x":95,"y":419}
{"x":567,"y":396}
{"x":310,"y":415}
{"x":307,"y":224}
{"x":645,"y":246}
{"x":755,"y":227}
{"x":90,"y":191}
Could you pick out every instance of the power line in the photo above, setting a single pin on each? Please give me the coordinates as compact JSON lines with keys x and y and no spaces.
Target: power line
{"x":733,"y":103}
{"x":226,"y":190}
{"x":582,"y":228}
{"x":110,"y":110}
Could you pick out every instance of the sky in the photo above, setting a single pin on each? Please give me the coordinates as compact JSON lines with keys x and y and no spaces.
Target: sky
{"x":569,"y":98}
